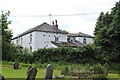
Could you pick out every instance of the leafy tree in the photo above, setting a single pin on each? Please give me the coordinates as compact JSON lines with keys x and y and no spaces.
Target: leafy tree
{"x":6,"y":33}
{"x":114,"y":32}
{"x":7,"y":48}
{"x":99,"y":23}
{"x":107,"y":33}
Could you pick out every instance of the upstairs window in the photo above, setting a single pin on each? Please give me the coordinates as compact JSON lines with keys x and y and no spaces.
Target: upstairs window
{"x":84,"y":40}
{"x":17,"y":42}
{"x":30,"y":38}
{"x":21,"y":41}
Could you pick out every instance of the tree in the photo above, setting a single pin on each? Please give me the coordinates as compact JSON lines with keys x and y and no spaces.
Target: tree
{"x":107,"y":32}
{"x":114,"y":32}
{"x":7,"y":47}
{"x":6,"y":33}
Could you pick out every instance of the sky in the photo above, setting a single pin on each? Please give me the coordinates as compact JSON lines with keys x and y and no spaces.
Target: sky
{"x":26,"y":14}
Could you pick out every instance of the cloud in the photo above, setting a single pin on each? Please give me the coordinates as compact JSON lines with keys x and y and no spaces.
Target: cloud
{"x":81,"y":23}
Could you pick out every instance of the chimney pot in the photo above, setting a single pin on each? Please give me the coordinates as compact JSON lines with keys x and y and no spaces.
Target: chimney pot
{"x":52,"y":23}
{"x":56,"y":25}
{"x":55,"y":22}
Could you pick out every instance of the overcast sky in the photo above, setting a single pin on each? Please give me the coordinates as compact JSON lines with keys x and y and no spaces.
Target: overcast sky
{"x":26,"y":14}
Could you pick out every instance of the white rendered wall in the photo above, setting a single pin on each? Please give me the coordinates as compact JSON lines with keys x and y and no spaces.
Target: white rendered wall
{"x":43,"y":39}
{"x":24,"y":41}
{"x":39,"y":40}
{"x":88,"y":40}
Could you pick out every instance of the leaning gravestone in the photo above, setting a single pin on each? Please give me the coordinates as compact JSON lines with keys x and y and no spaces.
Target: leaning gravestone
{"x":16,"y":65}
{"x":49,"y":72}
{"x":106,"y":69}
{"x":29,"y":67}
{"x":31,"y":73}
{"x":1,"y":77}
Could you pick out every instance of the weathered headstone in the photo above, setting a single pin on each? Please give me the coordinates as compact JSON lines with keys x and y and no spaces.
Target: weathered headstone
{"x":29,"y":67}
{"x":1,"y":77}
{"x":16,"y":65}
{"x":59,"y":77}
{"x":106,"y":68}
{"x":49,"y":72}
{"x":31,"y":73}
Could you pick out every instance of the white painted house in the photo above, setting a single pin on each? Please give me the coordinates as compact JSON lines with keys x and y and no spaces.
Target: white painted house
{"x":80,"y":38}
{"x":41,"y":36}
{"x":49,"y":36}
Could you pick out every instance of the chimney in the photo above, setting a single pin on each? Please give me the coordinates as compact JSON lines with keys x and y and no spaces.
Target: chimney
{"x":52,"y":23}
{"x":56,"y":25}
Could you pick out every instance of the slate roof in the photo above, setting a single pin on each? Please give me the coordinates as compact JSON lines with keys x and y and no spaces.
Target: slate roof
{"x":44,"y":27}
{"x":65,"y":44}
{"x":80,"y":34}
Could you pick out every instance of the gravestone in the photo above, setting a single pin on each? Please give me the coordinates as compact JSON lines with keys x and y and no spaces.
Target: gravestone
{"x":16,"y":65}
{"x":1,"y":77}
{"x":49,"y":72}
{"x":106,"y":69}
{"x":59,"y":77}
{"x":31,"y":73}
{"x":29,"y":67}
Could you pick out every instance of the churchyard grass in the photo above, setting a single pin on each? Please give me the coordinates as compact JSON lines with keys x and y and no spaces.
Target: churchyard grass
{"x":9,"y":72}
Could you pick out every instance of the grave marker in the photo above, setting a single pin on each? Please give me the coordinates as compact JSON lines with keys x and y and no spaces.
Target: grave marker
{"x":1,"y":77}
{"x":106,"y":69}
{"x":31,"y":73}
{"x":16,"y":65}
{"x":49,"y":72}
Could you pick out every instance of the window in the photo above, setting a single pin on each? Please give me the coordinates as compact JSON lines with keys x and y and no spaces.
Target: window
{"x":30,"y":48}
{"x":17,"y":42}
{"x":56,"y":39}
{"x":84,"y":40}
{"x":30,"y":38}
{"x":21,"y":41}
{"x":68,"y":39}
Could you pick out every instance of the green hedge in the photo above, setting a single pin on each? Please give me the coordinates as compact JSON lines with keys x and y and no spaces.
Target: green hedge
{"x":82,"y":55}
{"x":85,"y":54}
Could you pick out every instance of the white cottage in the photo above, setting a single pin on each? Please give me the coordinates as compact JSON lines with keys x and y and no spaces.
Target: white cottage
{"x":80,"y":38}
{"x":41,"y":36}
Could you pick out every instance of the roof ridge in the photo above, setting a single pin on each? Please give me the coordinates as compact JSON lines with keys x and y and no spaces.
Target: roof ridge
{"x":44,"y":27}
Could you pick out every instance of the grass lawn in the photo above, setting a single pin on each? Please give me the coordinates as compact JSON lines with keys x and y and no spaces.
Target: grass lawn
{"x":9,"y":72}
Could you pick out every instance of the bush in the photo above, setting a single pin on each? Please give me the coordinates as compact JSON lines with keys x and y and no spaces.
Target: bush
{"x":64,"y":71}
{"x":66,"y":54}
{"x":99,"y":77}
{"x":98,"y":69}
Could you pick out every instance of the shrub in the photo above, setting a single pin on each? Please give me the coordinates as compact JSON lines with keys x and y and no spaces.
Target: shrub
{"x":64,"y":71}
{"x":99,"y":77}
{"x":98,"y":69}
